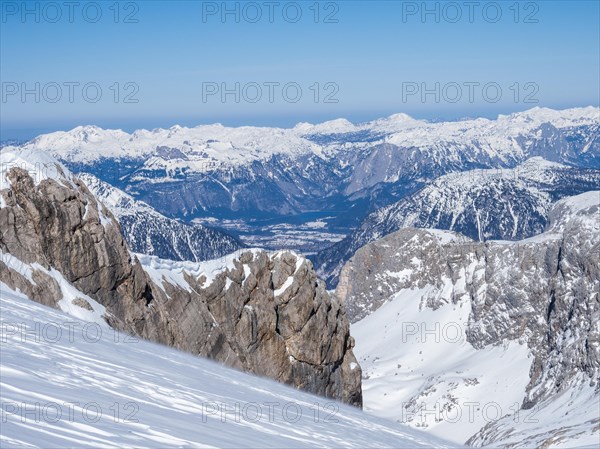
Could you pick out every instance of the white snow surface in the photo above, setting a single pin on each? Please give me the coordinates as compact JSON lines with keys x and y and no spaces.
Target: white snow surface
{"x":419,"y":369}
{"x":584,"y":209}
{"x":106,"y":390}
{"x":39,"y":164}
{"x":575,"y":412}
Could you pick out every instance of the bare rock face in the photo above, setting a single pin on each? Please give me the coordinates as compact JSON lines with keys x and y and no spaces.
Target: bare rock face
{"x":264,"y":313}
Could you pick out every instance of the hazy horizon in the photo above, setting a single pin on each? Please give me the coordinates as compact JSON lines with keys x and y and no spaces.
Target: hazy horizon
{"x":30,"y":133}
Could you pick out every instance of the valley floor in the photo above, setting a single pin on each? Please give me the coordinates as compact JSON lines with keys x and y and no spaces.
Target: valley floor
{"x":306,"y":233}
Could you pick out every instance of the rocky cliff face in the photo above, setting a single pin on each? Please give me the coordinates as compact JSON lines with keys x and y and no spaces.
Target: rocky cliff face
{"x":542,"y":292}
{"x":264,"y":313}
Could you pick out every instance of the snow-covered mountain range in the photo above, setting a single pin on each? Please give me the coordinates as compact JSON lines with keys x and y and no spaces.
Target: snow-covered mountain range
{"x":492,"y":343}
{"x":347,"y":169}
{"x":496,"y":138}
{"x":496,"y":204}
{"x":149,"y":232}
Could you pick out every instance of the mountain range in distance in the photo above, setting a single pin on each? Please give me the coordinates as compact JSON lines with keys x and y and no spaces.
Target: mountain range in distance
{"x":488,"y":228}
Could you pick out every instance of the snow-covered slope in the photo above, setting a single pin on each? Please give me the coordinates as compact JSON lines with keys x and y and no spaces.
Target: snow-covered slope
{"x":419,"y":368}
{"x":569,"y":419}
{"x":502,"y":204}
{"x":150,"y":232}
{"x":68,"y":383}
{"x":495,"y":343}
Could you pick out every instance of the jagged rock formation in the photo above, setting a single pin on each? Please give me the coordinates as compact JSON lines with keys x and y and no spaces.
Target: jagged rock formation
{"x":149,"y":232}
{"x":543,"y":292}
{"x":267,"y":314}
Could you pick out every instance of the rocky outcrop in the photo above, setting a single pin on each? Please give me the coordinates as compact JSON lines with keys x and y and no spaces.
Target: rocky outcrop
{"x":264,"y":313}
{"x":542,"y":291}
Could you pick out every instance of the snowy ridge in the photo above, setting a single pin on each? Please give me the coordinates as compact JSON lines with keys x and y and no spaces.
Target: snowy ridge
{"x":39,"y":164}
{"x":499,"y":132}
{"x":239,"y":145}
{"x":149,"y":232}
{"x":86,"y":143}
{"x":175,"y":272}
{"x":492,"y":204}
{"x":161,"y":270}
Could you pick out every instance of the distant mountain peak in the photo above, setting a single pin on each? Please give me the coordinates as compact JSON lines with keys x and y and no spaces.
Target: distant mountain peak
{"x":90,"y":142}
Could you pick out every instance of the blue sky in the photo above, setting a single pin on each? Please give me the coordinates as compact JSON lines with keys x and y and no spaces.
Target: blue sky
{"x":375,"y":59}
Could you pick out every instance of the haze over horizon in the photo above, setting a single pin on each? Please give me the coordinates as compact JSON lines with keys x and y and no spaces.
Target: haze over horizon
{"x":241,"y":64}
{"x":28,"y":134}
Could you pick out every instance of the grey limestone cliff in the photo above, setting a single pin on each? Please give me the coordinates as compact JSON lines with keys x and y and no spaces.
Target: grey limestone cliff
{"x":245,"y":317}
